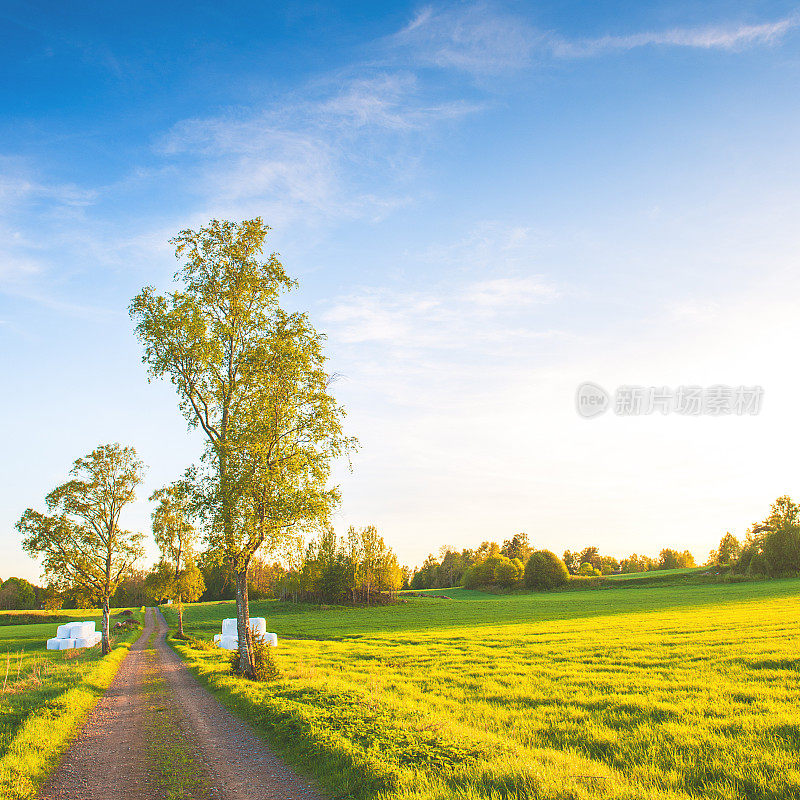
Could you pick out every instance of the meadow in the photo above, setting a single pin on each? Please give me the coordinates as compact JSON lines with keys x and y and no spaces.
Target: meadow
{"x":45,"y":694}
{"x":689,"y":690}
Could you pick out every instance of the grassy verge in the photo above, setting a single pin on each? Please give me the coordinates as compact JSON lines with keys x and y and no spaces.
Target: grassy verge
{"x":176,"y":766}
{"x":46,"y":698}
{"x":680,"y":692}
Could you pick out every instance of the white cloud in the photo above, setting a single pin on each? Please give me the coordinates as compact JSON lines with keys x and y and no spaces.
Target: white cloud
{"x":476,"y":38}
{"x":321,"y":154}
{"x":717,"y":37}
{"x":508,"y":293}
{"x":482,"y":39}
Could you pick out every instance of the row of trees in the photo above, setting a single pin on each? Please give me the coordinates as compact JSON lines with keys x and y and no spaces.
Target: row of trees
{"x":504,"y":565}
{"x":589,"y":561}
{"x":452,"y":565}
{"x":252,"y":377}
{"x":771,"y":547}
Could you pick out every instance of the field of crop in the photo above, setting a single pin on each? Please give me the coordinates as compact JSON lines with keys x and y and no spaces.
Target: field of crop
{"x":687,"y":691}
{"x":44,"y":694}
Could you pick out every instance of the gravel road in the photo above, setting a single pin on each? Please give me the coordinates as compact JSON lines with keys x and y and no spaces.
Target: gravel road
{"x":109,"y":759}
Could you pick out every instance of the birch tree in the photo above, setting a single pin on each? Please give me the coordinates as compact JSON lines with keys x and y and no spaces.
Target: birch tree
{"x":252,"y":377}
{"x":179,"y":578}
{"x":79,"y":538}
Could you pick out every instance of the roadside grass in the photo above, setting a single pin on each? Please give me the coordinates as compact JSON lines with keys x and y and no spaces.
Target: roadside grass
{"x":44,"y":697}
{"x":176,"y":766}
{"x":682,"y":692}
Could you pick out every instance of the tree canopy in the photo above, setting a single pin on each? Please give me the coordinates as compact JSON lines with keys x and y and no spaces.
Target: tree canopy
{"x":79,"y":539}
{"x":252,"y":376}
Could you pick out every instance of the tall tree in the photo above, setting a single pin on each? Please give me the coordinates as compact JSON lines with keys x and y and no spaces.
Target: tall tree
{"x":79,"y":539}
{"x":176,"y":538}
{"x":252,"y":377}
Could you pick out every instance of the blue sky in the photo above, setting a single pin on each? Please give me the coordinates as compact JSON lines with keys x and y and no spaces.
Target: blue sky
{"x":485,"y":204}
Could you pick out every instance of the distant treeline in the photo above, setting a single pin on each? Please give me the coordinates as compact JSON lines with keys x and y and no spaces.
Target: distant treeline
{"x":771,"y":549}
{"x":355,"y":568}
{"x":504,"y":565}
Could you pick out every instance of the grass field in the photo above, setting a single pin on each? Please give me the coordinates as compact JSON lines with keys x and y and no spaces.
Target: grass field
{"x":44,"y":695}
{"x":686,"y":691}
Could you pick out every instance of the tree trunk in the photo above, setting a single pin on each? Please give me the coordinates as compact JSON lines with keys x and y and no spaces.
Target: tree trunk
{"x":180,"y":616}
{"x":106,"y":640}
{"x":243,"y":624}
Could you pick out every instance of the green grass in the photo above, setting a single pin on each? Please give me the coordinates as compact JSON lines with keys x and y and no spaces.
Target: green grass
{"x":175,"y":763}
{"x":45,"y":696}
{"x":684,"y":691}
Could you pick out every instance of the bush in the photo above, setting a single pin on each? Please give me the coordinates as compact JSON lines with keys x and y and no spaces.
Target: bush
{"x":265,"y":668}
{"x":494,"y":571}
{"x":545,"y":570}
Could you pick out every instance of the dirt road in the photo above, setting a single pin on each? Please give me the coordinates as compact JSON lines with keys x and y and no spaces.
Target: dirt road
{"x":157,"y":733}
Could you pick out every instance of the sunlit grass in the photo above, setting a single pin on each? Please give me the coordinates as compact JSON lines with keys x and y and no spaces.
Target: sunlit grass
{"x":688,"y":691}
{"x":45,"y":696}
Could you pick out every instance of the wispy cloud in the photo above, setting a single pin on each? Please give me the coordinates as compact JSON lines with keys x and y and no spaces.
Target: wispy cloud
{"x":712,"y":37}
{"x":320,"y":153}
{"x":477,"y":315}
{"x":476,"y":38}
{"x":508,"y":293}
{"x":483,"y":39}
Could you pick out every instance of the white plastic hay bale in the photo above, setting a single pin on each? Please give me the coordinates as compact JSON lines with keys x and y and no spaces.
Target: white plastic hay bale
{"x":228,"y":643}
{"x":62,"y":631}
{"x":217,"y":637}
{"x":82,"y":642}
{"x":76,"y":630}
{"x":66,"y":644}
{"x":96,"y":638}
{"x":88,"y":628}
{"x":53,"y":644}
{"x":229,"y":627}
{"x":271,"y":639}
{"x":258,"y":625}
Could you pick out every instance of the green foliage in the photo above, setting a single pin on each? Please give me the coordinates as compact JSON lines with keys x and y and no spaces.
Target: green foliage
{"x":517,"y":547}
{"x":253,"y":377}
{"x":496,"y":570}
{"x":586,"y":568}
{"x":79,"y":539}
{"x":772,"y":547}
{"x":672,"y":559}
{"x":435,"y":574}
{"x":545,"y":570}
{"x":357,"y":568}
{"x":728,"y":551}
{"x":264,"y":666}
{"x":637,"y":563}
{"x":17,"y":594}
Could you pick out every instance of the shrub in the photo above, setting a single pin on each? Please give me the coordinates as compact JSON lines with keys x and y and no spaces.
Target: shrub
{"x":545,"y":570}
{"x":587,"y":569}
{"x":264,"y":666}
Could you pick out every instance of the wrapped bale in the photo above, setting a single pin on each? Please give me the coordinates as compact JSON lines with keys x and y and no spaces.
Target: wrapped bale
{"x":258,"y":625}
{"x":96,"y":638}
{"x":65,"y":644}
{"x":229,"y":627}
{"x":217,"y":637}
{"x":228,"y":643}
{"x":82,"y":641}
{"x":88,"y":628}
{"x":78,"y":630}
{"x":53,"y":644}
{"x":62,"y":631}
{"x":271,"y":639}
